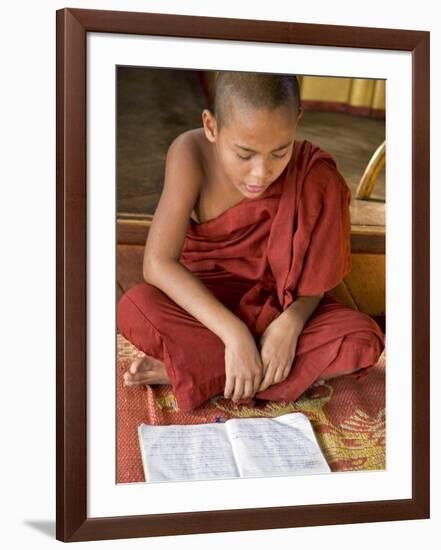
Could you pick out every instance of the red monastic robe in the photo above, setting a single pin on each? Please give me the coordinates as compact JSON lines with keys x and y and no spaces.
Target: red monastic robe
{"x":256,"y":258}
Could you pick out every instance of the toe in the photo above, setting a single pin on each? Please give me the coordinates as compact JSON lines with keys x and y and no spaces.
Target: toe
{"x":133,"y":369}
{"x":138,"y":377}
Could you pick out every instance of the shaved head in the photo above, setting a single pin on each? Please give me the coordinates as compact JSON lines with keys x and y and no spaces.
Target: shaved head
{"x":256,"y":90}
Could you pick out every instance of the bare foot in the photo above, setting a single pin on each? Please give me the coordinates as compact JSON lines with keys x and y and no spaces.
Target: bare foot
{"x":146,"y":370}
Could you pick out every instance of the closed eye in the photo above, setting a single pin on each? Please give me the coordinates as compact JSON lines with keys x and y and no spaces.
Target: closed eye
{"x":248,"y":158}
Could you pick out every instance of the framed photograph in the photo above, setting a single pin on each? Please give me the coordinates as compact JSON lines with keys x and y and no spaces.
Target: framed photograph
{"x":106,"y":61}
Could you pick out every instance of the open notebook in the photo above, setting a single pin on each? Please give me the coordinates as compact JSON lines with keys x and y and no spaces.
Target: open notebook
{"x":239,"y":447}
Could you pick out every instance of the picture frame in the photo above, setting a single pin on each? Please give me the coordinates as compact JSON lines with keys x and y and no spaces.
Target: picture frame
{"x":72,"y":520}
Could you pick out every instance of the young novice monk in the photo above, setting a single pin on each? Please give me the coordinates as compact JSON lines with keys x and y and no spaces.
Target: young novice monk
{"x":251,"y":231}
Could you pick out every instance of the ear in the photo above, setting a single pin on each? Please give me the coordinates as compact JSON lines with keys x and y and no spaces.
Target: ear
{"x":300,"y":114}
{"x":210,"y":125}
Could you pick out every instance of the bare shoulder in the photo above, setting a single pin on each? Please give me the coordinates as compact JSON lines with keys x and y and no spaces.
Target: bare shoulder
{"x":186,"y":164}
{"x":195,"y":142}
{"x":183,"y":178}
{"x":193,"y":138}
{"x":185,"y":153}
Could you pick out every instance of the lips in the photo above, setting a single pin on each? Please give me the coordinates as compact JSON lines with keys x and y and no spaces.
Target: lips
{"x":254,"y":188}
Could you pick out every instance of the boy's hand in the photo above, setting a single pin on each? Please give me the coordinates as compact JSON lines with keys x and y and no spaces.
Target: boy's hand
{"x":243,"y":367}
{"x":278,"y":349}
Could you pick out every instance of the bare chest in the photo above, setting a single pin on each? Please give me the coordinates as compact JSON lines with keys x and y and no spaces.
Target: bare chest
{"x":211,"y":204}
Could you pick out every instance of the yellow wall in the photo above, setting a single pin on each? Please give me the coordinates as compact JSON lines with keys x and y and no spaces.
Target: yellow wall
{"x":358,"y":92}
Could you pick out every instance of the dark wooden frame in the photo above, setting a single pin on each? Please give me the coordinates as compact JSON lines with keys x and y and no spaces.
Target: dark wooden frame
{"x":72,"y":523}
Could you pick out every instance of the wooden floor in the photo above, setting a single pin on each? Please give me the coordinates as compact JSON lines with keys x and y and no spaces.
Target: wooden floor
{"x":155,"y":105}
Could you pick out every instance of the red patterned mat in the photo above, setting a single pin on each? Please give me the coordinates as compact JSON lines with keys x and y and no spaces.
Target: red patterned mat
{"x":347,"y":413}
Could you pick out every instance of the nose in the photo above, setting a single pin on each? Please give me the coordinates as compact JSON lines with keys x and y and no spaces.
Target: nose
{"x":260,"y":172}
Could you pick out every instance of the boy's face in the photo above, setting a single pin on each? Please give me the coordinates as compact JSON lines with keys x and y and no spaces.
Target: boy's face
{"x":255,"y":147}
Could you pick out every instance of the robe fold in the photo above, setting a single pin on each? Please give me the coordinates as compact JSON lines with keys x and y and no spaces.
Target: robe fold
{"x":257,"y":257}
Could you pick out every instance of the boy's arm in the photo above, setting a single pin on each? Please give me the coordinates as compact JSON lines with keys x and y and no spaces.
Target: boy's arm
{"x":300,"y":310}
{"x":191,"y":294}
{"x":161,"y":266}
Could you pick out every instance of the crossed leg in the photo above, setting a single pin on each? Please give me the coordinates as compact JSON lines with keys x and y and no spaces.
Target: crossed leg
{"x":180,"y":351}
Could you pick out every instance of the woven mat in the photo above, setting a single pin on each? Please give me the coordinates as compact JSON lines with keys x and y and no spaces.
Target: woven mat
{"x":347,"y":414}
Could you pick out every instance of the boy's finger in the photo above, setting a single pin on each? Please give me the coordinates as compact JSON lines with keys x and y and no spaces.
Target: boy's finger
{"x":248,"y":390}
{"x":257,"y":382}
{"x":229,"y":387}
{"x":267,"y":379}
{"x":261,"y":383}
{"x":286,"y":372}
{"x":278,"y":375}
{"x":238,"y":390}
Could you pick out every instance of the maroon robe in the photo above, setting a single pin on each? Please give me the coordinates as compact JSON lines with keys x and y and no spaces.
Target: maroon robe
{"x":256,"y":258}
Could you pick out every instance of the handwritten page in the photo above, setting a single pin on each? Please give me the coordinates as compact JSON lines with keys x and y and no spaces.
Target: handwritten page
{"x":186,"y":452}
{"x":284,"y":445}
